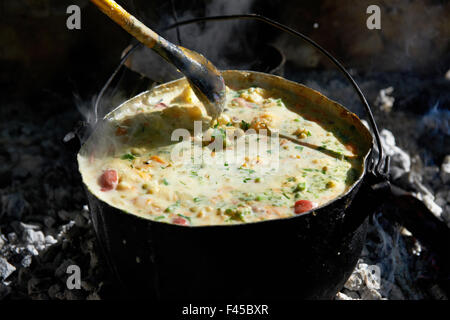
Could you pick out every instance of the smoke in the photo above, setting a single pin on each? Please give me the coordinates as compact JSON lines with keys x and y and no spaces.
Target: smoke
{"x":227,"y":44}
{"x":389,"y":249}
{"x":437,"y":120}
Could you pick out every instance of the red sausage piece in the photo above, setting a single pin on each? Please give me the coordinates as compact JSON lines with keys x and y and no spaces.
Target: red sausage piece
{"x":108,"y":180}
{"x":303,"y":206}
{"x":180,"y":221}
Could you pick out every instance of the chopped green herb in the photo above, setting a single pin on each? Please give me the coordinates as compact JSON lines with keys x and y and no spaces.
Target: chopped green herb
{"x":299,"y":187}
{"x":245,"y":125}
{"x":165,"y":182}
{"x":300,"y":148}
{"x":284,"y":194}
{"x":160,"y":217}
{"x":172,"y":207}
{"x":128,"y":156}
{"x":247,"y":197}
{"x":250,"y":171}
{"x":197,"y":199}
{"x":219,"y":133}
{"x":236,"y":214}
{"x":279,"y":102}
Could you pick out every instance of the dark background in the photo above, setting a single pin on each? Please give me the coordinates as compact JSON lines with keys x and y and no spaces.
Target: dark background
{"x":49,"y":77}
{"x":40,"y":59}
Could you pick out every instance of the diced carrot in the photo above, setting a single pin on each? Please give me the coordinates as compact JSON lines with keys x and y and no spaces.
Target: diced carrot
{"x":157,"y":159}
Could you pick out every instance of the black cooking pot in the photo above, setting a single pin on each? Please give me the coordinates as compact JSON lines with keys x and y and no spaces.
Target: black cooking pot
{"x":309,"y":256}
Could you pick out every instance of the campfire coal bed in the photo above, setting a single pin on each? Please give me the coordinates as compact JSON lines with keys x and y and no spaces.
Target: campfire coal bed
{"x":45,"y":225}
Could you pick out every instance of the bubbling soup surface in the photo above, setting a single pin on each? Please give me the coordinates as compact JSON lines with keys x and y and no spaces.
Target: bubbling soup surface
{"x":230,"y":172}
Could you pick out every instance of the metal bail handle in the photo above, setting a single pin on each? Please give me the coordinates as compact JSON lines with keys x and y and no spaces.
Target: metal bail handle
{"x":381,"y":167}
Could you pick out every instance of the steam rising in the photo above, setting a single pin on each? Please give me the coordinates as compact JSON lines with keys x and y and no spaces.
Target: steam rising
{"x":217,"y":41}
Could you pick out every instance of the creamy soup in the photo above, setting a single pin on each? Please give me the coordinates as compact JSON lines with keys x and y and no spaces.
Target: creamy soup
{"x":233,"y":170}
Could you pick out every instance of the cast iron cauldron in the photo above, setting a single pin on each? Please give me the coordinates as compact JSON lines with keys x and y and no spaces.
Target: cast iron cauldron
{"x":309,"y":256}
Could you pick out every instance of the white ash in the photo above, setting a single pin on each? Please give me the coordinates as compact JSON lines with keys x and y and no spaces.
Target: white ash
{"x":431,"y":183}
{"x":384,"y":99}
{"x":400,"y":160}
{"x":44,"y":223}
{"x":6,"y":269}
{"x":431,"y":186}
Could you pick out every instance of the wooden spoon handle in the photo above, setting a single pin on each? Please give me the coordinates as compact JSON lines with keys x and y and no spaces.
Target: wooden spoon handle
{"x":128,"y":22}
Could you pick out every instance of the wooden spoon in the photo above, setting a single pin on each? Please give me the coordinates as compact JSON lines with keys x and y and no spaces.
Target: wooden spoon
{"x":204,"y":78}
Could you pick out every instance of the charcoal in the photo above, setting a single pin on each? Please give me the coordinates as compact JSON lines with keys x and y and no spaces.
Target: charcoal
{"x":60,"y":272}
{"x":6,"y":269}
{"x":4,"y":291}
{"x":38,"y":286}
{"x":40,"y":296}
{"x":14,"y":206}
{"x":23,"y":276}
{"x":87,"y":286}
{"x":74,"y":294}
{"x":49,"y":221}
{"x":93,"y":296}
{"x":80,"y":221}
{"x":55,"y":291}
{"x":66,"y":216}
